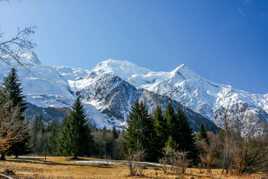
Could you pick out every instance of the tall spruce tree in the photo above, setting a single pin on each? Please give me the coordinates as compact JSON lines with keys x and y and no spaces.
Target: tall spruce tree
{"x":161,"y":130}
{"x":76,"y":139}
{"x":170,"y":144}
{"x":140,"y":134}
{"x":53,"y":137}
{"x":203,"y":134}
{"x":133,"y":133}
{"x":171,"y":120}
{"x":12,"y":87}
{"x":173,"y":124}
{"x":180,"y":132}
{"x":185,"y":137}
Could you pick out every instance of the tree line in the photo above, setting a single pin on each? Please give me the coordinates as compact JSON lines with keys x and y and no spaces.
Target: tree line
{"x":163,"y":136}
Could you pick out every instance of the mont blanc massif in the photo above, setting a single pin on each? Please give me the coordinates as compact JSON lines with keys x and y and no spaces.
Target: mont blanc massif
{"x":112,"y":86}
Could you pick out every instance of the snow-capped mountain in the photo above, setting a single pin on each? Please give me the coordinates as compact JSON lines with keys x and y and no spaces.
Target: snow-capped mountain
{"x":245,"y":110}
{"x":114,"y":97}
{"x":42,"y":85}
{"x":112,"y":86}
{"x":47,"y":89}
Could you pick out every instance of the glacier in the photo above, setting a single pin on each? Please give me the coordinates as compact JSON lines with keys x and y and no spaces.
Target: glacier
{"x":58,"y":86}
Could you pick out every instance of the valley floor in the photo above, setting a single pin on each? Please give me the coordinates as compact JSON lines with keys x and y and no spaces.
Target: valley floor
{"x":89,"y":168}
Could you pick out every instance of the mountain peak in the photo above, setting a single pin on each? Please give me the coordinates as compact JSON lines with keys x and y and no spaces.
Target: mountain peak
{"x":113,"y":62}
{"x":185,"y":72}
{"x":178,"y":69}
{"x":120,"y":68}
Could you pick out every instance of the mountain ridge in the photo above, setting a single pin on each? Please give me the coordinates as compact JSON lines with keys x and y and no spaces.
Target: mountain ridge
{"x":57,"y":86}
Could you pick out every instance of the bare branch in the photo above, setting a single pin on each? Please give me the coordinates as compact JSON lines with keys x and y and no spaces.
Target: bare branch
{"x":14,"y":47}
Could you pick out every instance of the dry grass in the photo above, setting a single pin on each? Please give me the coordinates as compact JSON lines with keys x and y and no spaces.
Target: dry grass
{"x":61,"y":168}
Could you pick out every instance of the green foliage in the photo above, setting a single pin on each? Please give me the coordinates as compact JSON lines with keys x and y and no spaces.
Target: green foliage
{"x":181,"y":132}
{"x":203,"y":134}
{"x":37,"y":135}
{"x":171,"y":120}
{"x":173,"y":124}
{"x":44,"y":137}
{"x":12,"y":87}
{"x":170,"y":144}
{"x":53,"y":134}
{"x":119,"y":148}
{"x":161,"y":130}
{"x":151,"y":136}
{"x":108,"y":145}
{"x":185,"y":138}
{"x":76,"y":139}
{"x":13,"y":90}
{"x":140,"y":134}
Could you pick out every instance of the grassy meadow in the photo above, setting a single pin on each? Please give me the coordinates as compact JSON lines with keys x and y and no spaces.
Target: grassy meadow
{"x":63,"y":168}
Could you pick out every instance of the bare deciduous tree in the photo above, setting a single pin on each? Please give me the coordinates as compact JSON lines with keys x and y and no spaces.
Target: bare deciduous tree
{"x":174,"y":161}
{"x":136,"y":168}
{"x":14,"y":47}
{"x":250,"y":155}
{"x":210,"y":151}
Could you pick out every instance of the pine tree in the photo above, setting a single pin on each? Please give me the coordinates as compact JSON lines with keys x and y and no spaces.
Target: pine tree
{"x":76,"y":139}
{"x":114,"y":143}
{"x":140,"y":134}
{"x":173,"y":125}
{"x":160,"y":126}
{"x":37,"y":135}
{"x":203,"y":134}
{"x":171,"y":121}
{"x":170,"y":144}
{"x":53,"y":137}
{"x":181,"y":132}
{"x":12,"y":87}
{"x":133,"y":132}
{"x":185,"y":137}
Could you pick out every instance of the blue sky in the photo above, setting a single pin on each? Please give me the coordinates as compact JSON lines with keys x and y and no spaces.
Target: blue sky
{"x":224,"y":41}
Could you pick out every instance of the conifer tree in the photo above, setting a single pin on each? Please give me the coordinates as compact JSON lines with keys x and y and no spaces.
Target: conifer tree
{"x":203,"y":134}
{"x":133,"y":132}
{"x":185,"y":138}
{"x":170,"y":144}
{"x":53,"y":130}
{"x":140,"y":134}
{"x":12,"y":87}
{"x":173,"y":124}
{"x":37,"y":135}
{"x":171,"y":121}
{"x":76,"y":139}
{"x":160,"y":126}
{"x":181,"y":132}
